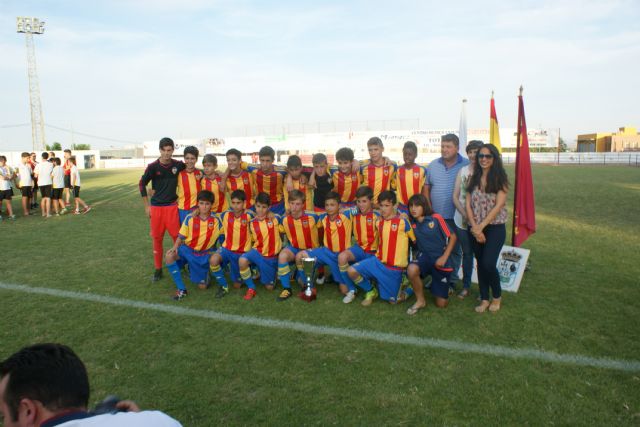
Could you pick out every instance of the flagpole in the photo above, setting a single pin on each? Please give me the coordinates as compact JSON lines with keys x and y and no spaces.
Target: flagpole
{"x":515,"y":192}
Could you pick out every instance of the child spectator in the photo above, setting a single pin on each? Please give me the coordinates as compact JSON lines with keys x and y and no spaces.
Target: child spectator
{"x":57,"y":176}
{"x":25,"y":182}
{"x":6,"y":193}
{"x":42,"y":173}
{"x":75,"y":183}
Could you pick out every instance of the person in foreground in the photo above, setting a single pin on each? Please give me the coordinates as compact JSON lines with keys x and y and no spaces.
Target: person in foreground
{"x":46,"y":385}
{"x":487,"y":215}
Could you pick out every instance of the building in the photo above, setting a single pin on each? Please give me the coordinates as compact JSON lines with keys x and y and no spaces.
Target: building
{"x":626,"y":139}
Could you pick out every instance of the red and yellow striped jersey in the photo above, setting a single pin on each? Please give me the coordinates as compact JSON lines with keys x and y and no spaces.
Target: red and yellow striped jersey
{"x":243,"y":182}
{"x":237,"y":237}
{"x":306,"y":189}
{"x":270,"y":183}
{"x":365,"y":229}
{"x":266,"y":236}
{"x":302,"y":232}
{"x":378,"y":178}
{"x":188,"y":188}
{"x":200,"y":234}
{"x":346,"y":185}
{"x":337,"y":231}
{"x":409,"y":181}
{"x":220,"y":203}
{"x":393,"y":246}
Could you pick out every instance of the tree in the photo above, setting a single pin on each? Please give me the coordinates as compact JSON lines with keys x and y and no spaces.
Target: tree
{"x":80,"y":147}
{"x":56,"y":146}
{"x":562,"y":145}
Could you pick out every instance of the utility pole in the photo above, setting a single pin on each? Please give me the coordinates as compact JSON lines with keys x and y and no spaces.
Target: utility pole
{"x":30,"y":26}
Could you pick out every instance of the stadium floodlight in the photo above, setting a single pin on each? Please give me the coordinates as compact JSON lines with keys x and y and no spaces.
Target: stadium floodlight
{"x":30,"y":26}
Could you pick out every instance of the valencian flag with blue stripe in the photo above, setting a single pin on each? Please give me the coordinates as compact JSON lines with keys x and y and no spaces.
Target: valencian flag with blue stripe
{"x":524,"y":209}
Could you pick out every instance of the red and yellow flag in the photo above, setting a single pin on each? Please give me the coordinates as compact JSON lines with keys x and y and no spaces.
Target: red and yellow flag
{"x":524,"y":210}
{"x":494,"y":130}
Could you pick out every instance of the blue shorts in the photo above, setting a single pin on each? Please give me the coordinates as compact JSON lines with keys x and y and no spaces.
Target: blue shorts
{"x":359,"y":253}
{"x":403,"y":209}
{"x":325,"y":257}
{"x":231,"y":259}
{"x":388,"y":279}
{"x":268,"y":267}
{"x":198,"y":262}
{"x":182,"y":214}
{"x":439,"y":276}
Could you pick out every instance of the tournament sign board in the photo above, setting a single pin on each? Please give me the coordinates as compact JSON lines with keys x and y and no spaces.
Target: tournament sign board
{"x":511,"y":265}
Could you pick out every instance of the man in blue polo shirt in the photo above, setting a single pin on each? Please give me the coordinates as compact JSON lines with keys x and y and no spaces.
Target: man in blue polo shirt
{"x":441,"y":179}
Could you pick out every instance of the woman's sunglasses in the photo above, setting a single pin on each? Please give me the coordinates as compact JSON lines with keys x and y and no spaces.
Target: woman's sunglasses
{"x":485,"y":156}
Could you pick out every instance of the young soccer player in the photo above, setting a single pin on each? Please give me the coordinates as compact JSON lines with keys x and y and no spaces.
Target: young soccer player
{"x":320,"y":179}
{"x":365,"y":229}
{"x":345,"y":180}
{"x":6,"y":176}
{"x":392,"y":256}
{"x":25,"y":182}
{"x":163,"y":210}
{"x":67,"y":176}
{"x":198,"y":234}
{"x":33,"y":162}
{"x":298,"y":182}
{"x":377,"y":173}
{"x":265,"y":233}
{"x":268,"y":179}
{"x":57,"y":176}
{"x":42,"y":173}
{"x":238,"y":178}
{"x":212,"y":181}
{"x":75,"y":183}
{"x":337,"y":228}
{"x":188,"y":183}
{"x":301,"y":230}
{"x":410,"y":177}
{"x":435,"y":243}
{"x":237,"y":241}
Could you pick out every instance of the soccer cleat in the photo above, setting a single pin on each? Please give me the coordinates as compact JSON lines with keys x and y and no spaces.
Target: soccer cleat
{"x":349,"y":297}
{"x":285,"y":294}
{"x":222,"y":292}
{"x":12,"y":217}
{"x":87,"y":209}
{"x":369,"y":297}
{"x":250,"y":294}
{"x":320,"y":280}
{"x":76,"y":212}
{"x":157,"y":275}
{"x":180,"y":294}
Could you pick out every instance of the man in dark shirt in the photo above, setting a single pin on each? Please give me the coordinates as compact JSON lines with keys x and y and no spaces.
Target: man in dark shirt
{"x":163,"y":209}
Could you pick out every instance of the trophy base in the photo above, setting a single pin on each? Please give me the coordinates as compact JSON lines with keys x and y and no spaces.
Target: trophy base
{"x":308,"y":298}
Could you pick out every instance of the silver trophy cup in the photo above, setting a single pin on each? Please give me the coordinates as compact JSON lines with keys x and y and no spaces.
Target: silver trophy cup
{"x":309,"y":271}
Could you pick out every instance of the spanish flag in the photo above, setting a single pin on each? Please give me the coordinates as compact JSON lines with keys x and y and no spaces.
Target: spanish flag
{"x":494,"y":130}
{"x":524,"y":210}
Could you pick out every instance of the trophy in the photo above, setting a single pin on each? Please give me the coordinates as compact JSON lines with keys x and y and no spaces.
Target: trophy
{"x":309,"y":271}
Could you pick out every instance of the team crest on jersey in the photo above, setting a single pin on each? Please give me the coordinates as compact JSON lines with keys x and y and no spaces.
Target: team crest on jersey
{"x":386,"y":172}
{"x":245,"y":180}
{"x":270,"y":224}
{"x":338,"y":222}
{"x":394,"y":227}
{"x":369,"y":220}
{"x":244,"y":222}
{"x":210,"y":225}
{"x":431,"y":224}
{"x":305,"y":223}
{"x":174,"y":170}
{"x":416,"y":174}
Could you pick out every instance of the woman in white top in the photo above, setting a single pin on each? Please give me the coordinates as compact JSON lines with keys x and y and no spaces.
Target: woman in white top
{"x":460,"y":217}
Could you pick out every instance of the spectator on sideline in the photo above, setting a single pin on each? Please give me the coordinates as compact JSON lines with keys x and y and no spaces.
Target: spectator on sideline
{"x":487,"y":215}
{"x":47,"y":385}
{"x":43,"y":174}
{"x":441,"y":177}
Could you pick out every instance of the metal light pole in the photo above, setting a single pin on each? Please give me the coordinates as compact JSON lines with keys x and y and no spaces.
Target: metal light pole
{"x":30,"y":26}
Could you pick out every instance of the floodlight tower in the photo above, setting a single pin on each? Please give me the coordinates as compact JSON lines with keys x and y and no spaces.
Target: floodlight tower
{"x":30,"y":26}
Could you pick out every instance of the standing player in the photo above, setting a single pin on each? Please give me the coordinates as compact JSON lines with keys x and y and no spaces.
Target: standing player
{"x":301,"y":230}
{"x":212,"y":181}
{"x":299,"y":182}
{"x":198,"y":233}
{"x":377,"y":173}
{"x":237,"y":241}
{"x":34,"y":195}
{"x":265,"y":233}
{"x":42,"y":173}
{"x":188,"y":183}
{"x":239,"y":179}
{"x":67,"y":176}
{"x":25,"y":182}
{"x":365,"y":229}
{"x":6,"y":176}
{"x":345,"y":180}
{"x":57,"y":176}
{"x":268,"y":179}
{"x":337,"y":238}
{"x":163,"y":210}
{"x":410,"y":177}
{"x":392,"y":257}
{"x":75,"y":184}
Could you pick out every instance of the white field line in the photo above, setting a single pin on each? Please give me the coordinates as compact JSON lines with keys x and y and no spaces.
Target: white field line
{"x":458,"y":346}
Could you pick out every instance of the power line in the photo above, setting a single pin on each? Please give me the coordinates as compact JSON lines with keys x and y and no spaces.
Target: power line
{"x":88,"y":135}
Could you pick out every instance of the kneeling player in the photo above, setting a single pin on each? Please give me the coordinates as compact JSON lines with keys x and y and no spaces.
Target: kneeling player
{"x":265,"y":233}
{"x":392,"y":257}
{"x":435,"y":243}
{"x":199,"y":232}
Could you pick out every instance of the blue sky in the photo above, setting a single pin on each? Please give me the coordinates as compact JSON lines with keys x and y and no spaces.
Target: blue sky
{"x":140,"y":70}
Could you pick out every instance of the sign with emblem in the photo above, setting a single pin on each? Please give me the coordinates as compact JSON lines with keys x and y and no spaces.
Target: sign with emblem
{"x":511,"y":265}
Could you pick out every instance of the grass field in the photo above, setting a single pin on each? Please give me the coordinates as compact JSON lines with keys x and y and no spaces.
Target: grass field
{"x":581,"y":297}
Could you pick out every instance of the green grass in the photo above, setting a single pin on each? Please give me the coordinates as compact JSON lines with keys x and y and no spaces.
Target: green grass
{"x":581,"y":296}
